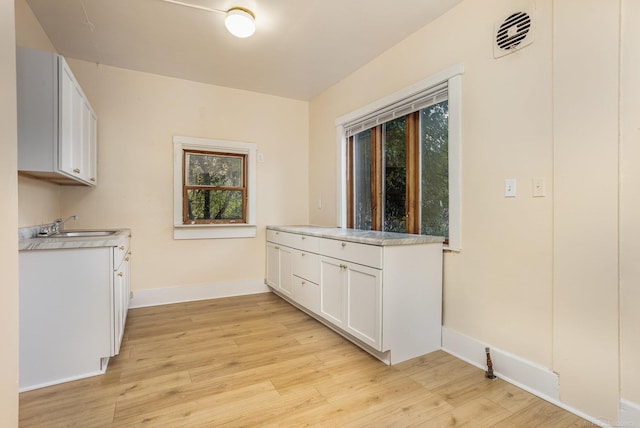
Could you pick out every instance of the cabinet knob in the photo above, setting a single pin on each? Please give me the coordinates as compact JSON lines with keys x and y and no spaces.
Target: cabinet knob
{"x":76,"y":170}
{"x":121,"y":248}
{"x":277,"y":247}
{"x":304,"y":237}
{"x":303,"y":283}
{"x":302,"y":254}
{"x":343,"y":266}
{"x":344,"y":244}
{"x":92,"y":179}
{"x":120,"y":274}
{"x":126,"y":259}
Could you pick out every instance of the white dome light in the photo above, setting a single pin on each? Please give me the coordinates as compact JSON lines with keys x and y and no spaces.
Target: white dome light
{"x":240,"y":22}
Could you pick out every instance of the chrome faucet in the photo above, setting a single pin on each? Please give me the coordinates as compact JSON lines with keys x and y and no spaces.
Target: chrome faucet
{"x":58,"y":224}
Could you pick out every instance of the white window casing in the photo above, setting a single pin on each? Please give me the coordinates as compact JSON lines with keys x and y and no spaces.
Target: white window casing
{"x":208,"y":231}
{"x":443,"y":85}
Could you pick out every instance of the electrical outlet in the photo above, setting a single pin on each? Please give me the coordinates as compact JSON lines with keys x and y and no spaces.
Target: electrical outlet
{"x":538,"y":188}
{"x":510,"y":188}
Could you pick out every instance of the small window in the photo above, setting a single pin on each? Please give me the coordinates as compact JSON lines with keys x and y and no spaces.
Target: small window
{"x":214,"y":188}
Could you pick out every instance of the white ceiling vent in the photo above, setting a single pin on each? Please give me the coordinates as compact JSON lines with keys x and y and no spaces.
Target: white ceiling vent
{"x":513,"y":33}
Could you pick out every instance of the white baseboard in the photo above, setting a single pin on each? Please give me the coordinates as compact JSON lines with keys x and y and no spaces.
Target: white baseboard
{"x":188,"y":293}
{"x":628,"y":414}
{"x":534,"y":378}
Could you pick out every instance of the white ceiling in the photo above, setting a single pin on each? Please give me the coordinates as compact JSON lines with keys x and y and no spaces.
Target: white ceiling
{"x":300,"y":48}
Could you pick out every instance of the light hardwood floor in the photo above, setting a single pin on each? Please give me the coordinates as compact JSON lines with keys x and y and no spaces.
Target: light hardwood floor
{"x":257,"y":361}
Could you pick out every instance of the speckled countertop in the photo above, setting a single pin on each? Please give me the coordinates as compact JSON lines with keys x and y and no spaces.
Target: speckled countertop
{"x":30,"y":241}
{"x":372,"y":237}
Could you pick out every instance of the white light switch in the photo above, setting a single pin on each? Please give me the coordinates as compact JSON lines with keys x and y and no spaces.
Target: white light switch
{"x":538,"y":188}
{"x":510,"y":188}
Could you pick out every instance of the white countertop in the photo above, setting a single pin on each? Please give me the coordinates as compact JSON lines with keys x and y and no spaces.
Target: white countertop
{"x":50,"y":243}
{"x":372,"y":237}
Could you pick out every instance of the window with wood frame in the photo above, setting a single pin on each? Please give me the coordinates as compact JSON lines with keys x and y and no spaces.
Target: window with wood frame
{"x":214,"y":187}
{"x":398,"y":169}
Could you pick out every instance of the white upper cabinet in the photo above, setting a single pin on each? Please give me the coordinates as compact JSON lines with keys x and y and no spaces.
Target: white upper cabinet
{"x":57,"y":128}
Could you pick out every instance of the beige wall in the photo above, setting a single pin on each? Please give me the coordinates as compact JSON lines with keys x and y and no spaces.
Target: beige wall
{"x":138,"y":114}
{"x":500,"y":284}
{"x":8,"y":220}
{"x":537,"y":277}
{"x":630,"y":202}
{"x":585,"y":234}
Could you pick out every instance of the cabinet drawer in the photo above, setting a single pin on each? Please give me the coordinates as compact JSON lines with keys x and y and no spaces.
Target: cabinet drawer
{"x":306,"y":293}
{"x":364,"y":254}
{"x":302,"y":242}
{"x":306,"y":265}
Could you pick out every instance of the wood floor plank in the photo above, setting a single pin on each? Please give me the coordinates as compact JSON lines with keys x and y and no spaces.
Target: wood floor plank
{"x":258,"y":361}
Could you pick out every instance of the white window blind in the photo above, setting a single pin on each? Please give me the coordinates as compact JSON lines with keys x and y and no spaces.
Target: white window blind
{"x":403,"y":107}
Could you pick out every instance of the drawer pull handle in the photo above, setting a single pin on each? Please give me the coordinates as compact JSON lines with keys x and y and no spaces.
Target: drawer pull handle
{"x":277,"y":247}
{"x":344,"y":244}
{"x":126,"y":259}
{"x":76,"y":170}
{"x":343,"y":266}
{"x":302,"y":254}
{"x":121,"y":248}
{"x":92,"y":179}
{"x":120,"y":274}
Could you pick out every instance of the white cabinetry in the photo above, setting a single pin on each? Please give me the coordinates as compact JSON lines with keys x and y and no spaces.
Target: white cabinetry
{"x":385,"y":298}
{"x":57,"y":128}
{"x":73,"y":305}
{"x":121,"y":294}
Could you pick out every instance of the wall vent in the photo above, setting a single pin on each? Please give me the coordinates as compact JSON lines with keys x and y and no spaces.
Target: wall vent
{"x":513,"y":33}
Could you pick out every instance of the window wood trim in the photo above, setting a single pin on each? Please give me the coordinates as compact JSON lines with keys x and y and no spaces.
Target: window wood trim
{"x":186,"y":188}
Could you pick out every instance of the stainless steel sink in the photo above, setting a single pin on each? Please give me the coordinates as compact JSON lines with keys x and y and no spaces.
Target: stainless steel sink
{"x":82,"y":233}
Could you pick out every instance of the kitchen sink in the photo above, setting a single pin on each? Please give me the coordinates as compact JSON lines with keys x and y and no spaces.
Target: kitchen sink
{"x":82,"y":233}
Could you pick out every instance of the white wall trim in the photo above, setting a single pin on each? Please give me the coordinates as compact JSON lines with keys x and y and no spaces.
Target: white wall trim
{"x":628,"y":414}
{"x":527,"y":375}
{"x":189,"y":293}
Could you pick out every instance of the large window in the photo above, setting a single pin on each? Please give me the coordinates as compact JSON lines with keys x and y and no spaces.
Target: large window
{"x":214,"y":188}
{"x":401,"y":159}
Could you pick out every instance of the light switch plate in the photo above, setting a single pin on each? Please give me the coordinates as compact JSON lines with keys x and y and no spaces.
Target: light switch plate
{"x":538,"y":188}
{"x":510,"y":188}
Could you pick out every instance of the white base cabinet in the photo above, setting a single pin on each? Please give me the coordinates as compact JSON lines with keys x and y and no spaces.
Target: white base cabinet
{"x":385,"y":298}
{"x":73,"y":307}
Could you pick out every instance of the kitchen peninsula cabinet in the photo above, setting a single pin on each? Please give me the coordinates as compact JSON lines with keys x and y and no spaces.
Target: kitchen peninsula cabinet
{"x":57,"y":127}
{"x":381,"y":290}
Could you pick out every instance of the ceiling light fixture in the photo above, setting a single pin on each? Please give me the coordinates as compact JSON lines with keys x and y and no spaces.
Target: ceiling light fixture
{"x":239,"y":21}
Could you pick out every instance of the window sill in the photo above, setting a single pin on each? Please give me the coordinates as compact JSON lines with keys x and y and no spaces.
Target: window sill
{"x":217,"y":231}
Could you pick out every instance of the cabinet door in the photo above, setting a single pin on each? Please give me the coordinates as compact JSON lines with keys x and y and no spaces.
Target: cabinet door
{"x":89,"y":144}
{"x":273,"y":263}
{"x":363,"y":288}
{"x":118,"y":310}
{"x":279,"y":268}
{"x":332,"y":296}
{"x":286,"y":272}
{"x":70,"y":139}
